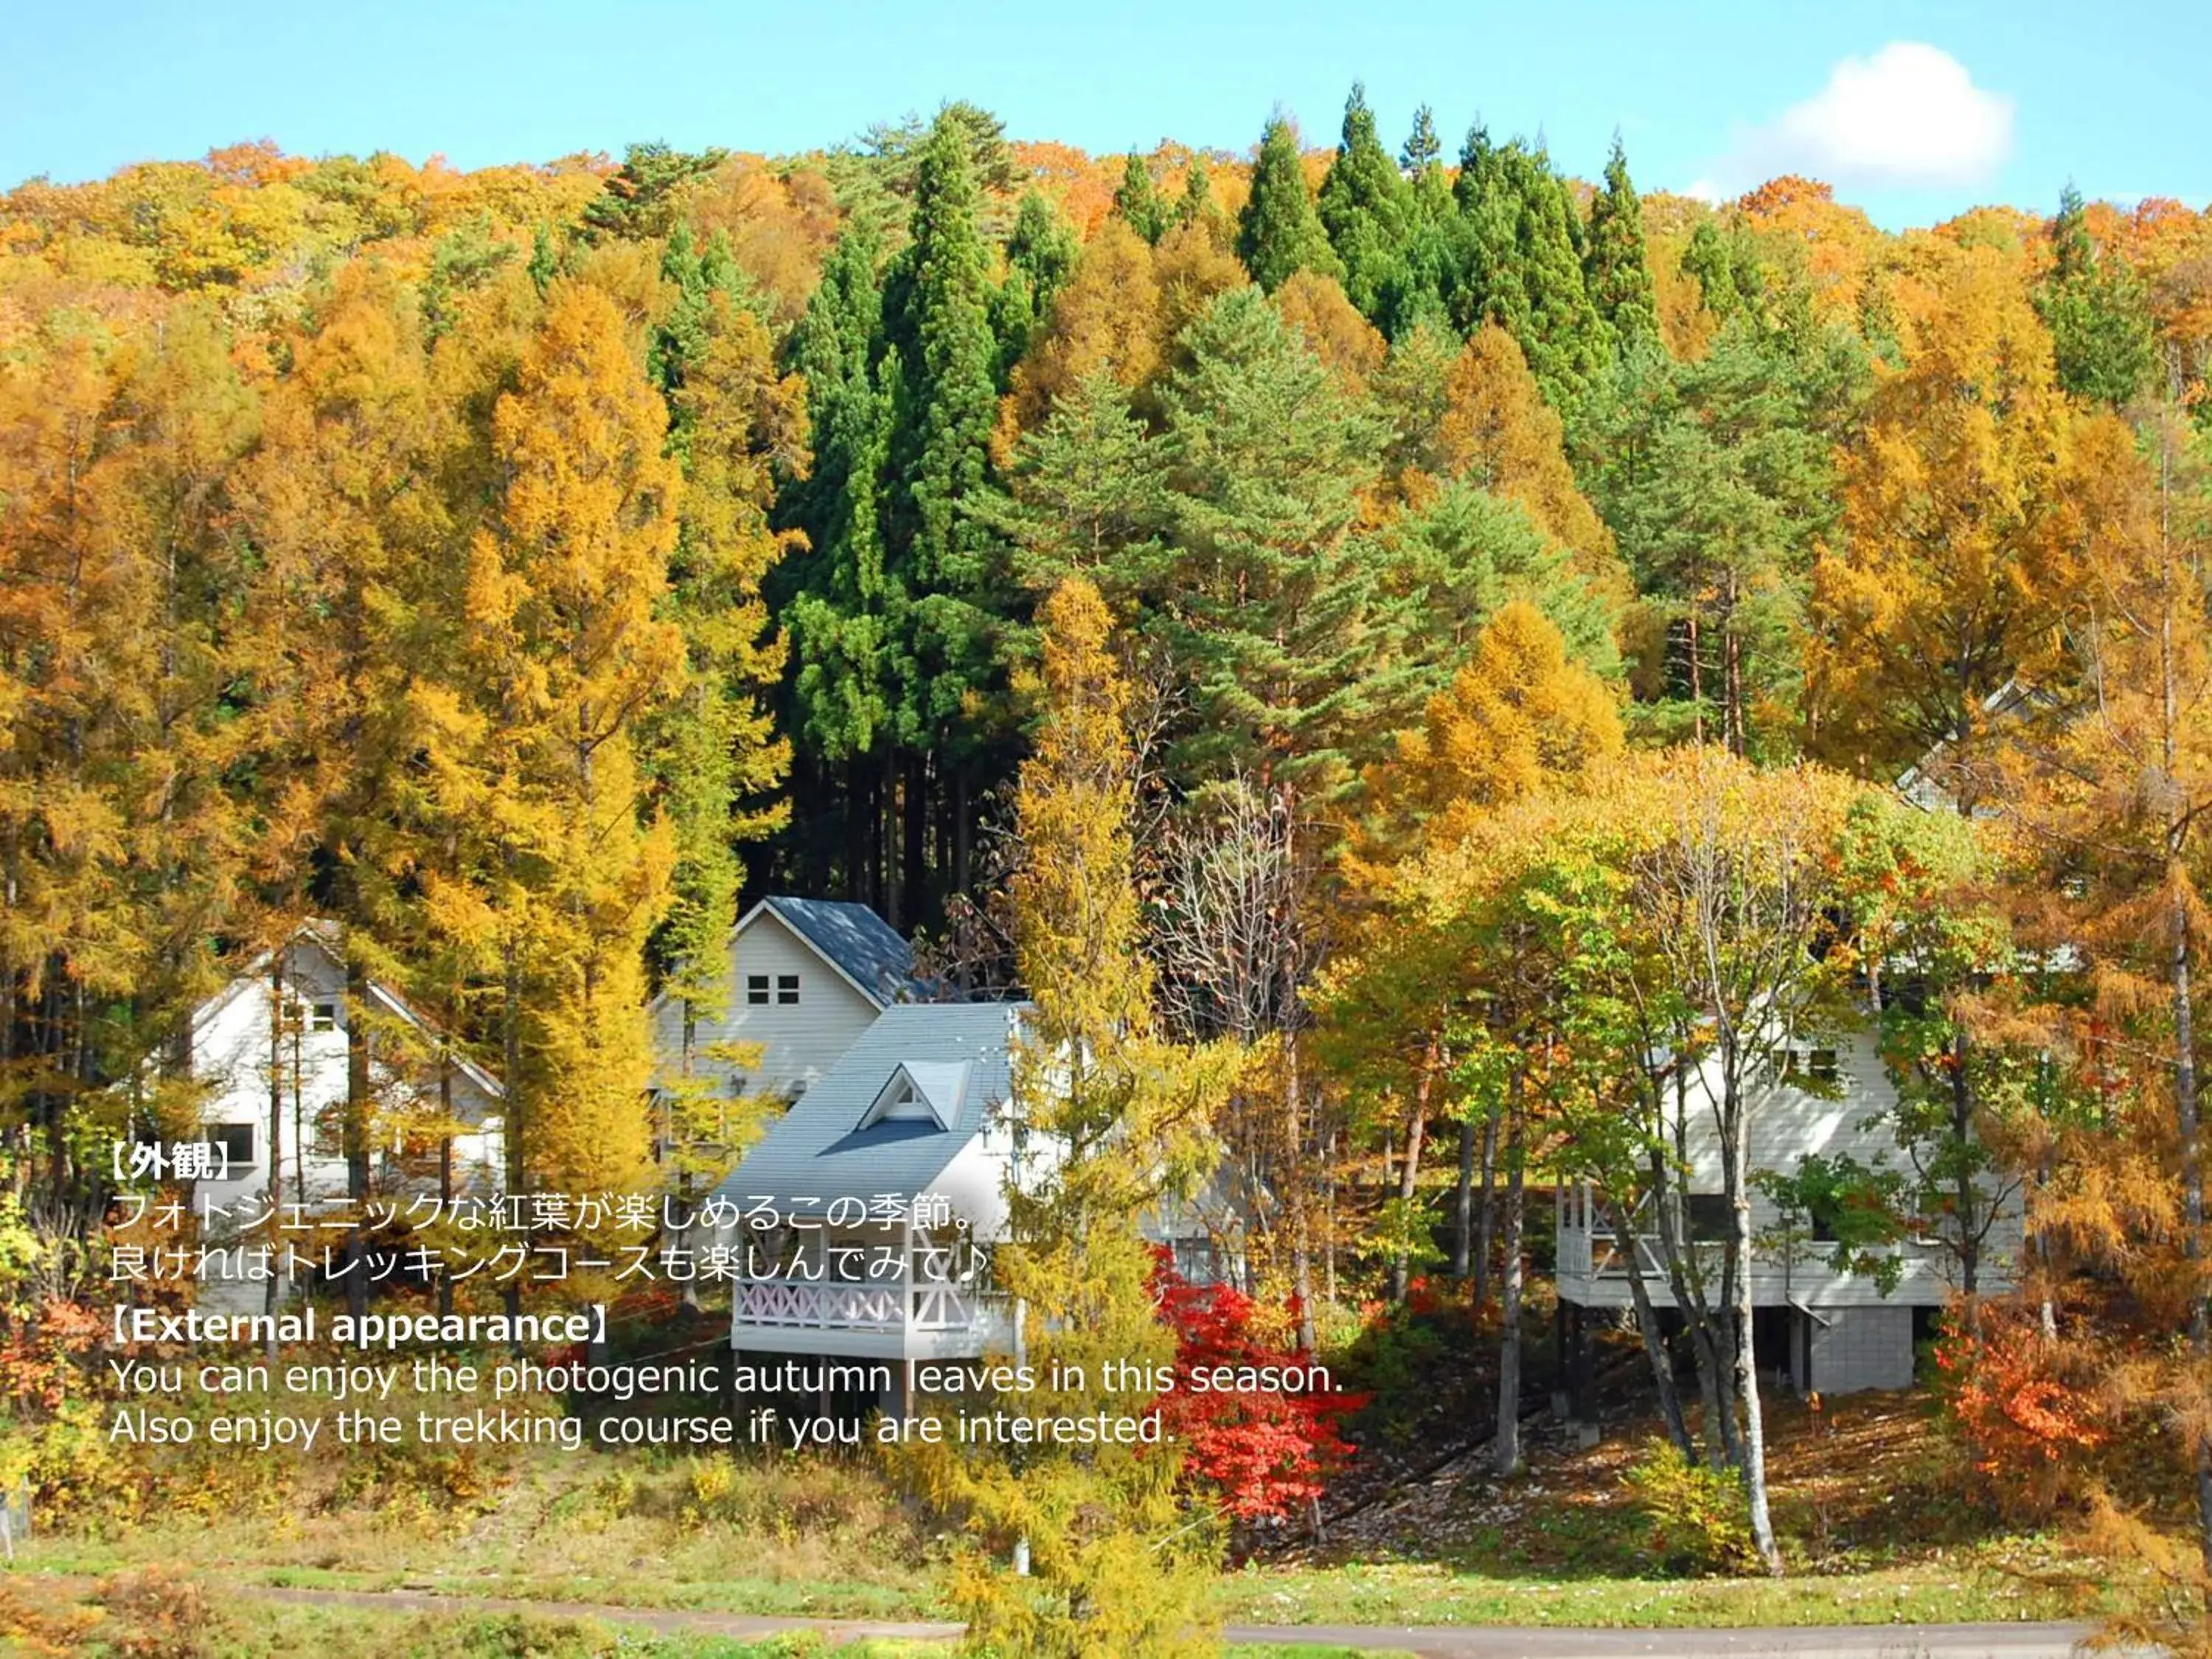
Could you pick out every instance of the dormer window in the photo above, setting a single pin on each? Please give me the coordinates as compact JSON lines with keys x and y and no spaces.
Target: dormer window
{"x":921,"y":1092}
{"x":903,"y":1103}
{"x":323,"y":1017}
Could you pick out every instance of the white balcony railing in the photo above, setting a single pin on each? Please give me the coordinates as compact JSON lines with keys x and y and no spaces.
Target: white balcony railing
{"x":1601,"y":1256}
{"x":829,"y":1305}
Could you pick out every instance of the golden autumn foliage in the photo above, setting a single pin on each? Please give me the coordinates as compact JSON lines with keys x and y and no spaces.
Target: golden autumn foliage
{"x":1106,"y":318}
{"x":1116,"y":1561}
{"x":1333,"y":329}
{"x":1497,"y":432}
{"x":567,"y":650}
{"x":1940,"y":582}
{"x":1520,"y":718}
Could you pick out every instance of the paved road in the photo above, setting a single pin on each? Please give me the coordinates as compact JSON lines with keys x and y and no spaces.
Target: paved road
{"x":1429,"y":1641}
{"x":1830,"y":1642}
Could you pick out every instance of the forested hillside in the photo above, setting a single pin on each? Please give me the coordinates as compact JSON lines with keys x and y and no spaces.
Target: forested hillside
{"x":1518,"y":595}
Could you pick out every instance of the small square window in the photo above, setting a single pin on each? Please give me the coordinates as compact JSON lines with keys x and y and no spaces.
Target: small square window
{"x":756,"y":990}
{"x":233,"y":1144}
{"x":786,"y":987}
{"x":1710,"y":1216}
{"x":323,"y":1017}
{"x":1813,"y":1065}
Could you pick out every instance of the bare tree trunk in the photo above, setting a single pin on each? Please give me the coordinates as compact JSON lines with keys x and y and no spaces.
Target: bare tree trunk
{"x":357,"y":1088}
{"x":1506,"y":1449}
{"x":887,"y":850}
{"x":1754,"y":1428}
{"x":272,"y":1288}
{"x":1655,"y":1340}
{"x":1463,"y":1203}
{"x":2192,"y":1196}
{"x":915,"y":838}
{"x":1732,"y":656}
{"x":1302,"y":1236}
{"x":1697,"y":681}
{"x":1409,"y":1174}
{"x":1486,"y":1213}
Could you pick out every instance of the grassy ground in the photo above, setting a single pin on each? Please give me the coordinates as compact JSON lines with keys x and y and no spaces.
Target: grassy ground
{"x":1875,"y":1520}
{"x":792,"y":1536}
{"x":162,"y":1615}
{"x":1875,"y":1524}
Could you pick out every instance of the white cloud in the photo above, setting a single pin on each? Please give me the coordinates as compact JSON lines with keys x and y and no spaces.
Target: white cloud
{"x":1909,"y":115}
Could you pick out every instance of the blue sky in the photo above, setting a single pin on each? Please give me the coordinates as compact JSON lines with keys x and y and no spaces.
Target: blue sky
{"x":1915,"y":111}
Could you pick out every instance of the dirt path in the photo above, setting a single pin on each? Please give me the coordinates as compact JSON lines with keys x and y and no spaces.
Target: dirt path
{"x":1429,"y":1641}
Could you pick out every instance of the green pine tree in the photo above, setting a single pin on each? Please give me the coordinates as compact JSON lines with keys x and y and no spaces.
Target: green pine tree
{"x":1196,"y":205}
{"x":544,"y":262}
{"x":1366,"y":207}
{"x":2100,"y":328}
{"x":1731,"y":276}
{"x":1423,"y":156}
{"x":1279,"y":232}
{"x":1615,"y":266}
{"x":947,"y":564}
{"x":643,"y":197}
{"x":1039,"y":252}
{"x":1568,"y":343}
{"x":1483,"y":280}
{"x":1415,"y":298}
{"x":837,"y":600}
{"x":1273,"y":606}
{"x":1137,"y":200}
{"x":1088,"y":497}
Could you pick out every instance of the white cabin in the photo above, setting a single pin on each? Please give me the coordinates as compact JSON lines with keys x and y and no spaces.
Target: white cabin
{"x":804,"y":978}
{"x":273,"y":1044}
{"x":1844,"y":1332}
{"x":861,"y":1225}
{"x":869,"y":1208}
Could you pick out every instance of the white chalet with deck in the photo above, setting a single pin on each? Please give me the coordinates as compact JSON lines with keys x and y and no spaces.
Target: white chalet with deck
{"x":271,"y":1052}
{"x":803,"y":978}
{"x":861,"y":1223}
{"x":1832,"y":1331}
{"x":887,"y":1180}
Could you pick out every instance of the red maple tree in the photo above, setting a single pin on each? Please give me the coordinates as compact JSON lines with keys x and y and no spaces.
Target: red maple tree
{"x":1267,"y":1453}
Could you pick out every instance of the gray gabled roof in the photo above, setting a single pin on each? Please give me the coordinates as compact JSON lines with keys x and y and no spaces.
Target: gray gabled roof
{"x":328,"y":938}
{"x":817,"y":1149}
{"x":856,"y":941}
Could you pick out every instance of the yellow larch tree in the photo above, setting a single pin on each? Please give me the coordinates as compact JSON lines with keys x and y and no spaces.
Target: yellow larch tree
{"x":567,"y":652}
{"x":1936,"y":588}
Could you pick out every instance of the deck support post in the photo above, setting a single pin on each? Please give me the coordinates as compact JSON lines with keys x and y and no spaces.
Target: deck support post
{"x":1563,"y":1406}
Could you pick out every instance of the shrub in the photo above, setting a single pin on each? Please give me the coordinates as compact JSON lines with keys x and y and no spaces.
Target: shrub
{"x":2026,"y":1408}
{"x":1698,"y":1520}
{"x":160,"y":1615}
{"x":1267,"y":1453}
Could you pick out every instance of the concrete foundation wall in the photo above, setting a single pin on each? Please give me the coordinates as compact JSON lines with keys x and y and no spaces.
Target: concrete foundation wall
{"x":1861,"y":1348}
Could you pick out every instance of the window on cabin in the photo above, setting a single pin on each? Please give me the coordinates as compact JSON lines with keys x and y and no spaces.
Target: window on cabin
{"x":786,"y":988}
{"x":233,"y":1144}
{"x":756,"y":990}
{"x":329,"y":1138}
{"x":1709,"y":1216}
{"x":323,"y":1017}
{"x":1197,"y":1261}
{"x":1813,"y":1065}
{"x":904,"y":1104}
